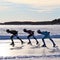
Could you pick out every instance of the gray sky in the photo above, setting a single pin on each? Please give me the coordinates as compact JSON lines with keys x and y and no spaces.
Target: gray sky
{"x":29,"y":10}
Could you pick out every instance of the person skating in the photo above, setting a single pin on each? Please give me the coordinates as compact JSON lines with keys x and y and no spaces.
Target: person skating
{"x":31,"y":33}
{"x":14,"y":33}
{"x":46,"y":35}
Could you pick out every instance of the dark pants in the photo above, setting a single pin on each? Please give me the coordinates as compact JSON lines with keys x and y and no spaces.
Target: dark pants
{"x":14,"y":36}
{"x":49,"y":39}
{"x":32,"y":36}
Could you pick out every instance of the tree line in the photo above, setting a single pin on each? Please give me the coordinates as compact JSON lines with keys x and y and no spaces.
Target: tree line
{"x":55,"y":21}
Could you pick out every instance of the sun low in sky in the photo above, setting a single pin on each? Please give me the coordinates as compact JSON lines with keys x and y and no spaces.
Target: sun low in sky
{"x":29,"y":10}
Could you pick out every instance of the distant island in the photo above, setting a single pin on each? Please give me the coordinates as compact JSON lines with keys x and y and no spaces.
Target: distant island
{"x":55,"y":21}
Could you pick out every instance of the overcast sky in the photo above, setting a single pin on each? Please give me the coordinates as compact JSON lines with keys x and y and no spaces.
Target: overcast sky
{"x":29,"y":10}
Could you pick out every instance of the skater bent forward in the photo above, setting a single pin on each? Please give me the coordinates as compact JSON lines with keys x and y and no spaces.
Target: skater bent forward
{"x":46,"y":35}
{"x":31,"y":33}
{"x":14,"y":33}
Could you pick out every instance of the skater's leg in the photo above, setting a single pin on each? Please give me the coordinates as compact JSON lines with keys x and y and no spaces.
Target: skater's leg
{"x":20,"y":39}
{"x":52,"y":41}
{"x":29,"y":39}
{"x":36,"y":40}
{"x":44,"y":45}
{"x":12,"y":40}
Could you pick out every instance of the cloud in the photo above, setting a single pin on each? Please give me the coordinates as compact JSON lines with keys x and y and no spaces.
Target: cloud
{"x":37,"y":2}
{"x":3,"y":8}
{"x":29,"y":9}
{"x":42,"y":9}
{"x":39,"y":5}
{"x":47,"y":5}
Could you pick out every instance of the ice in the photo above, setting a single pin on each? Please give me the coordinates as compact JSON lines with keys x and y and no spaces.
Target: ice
{"x":29,"y":52}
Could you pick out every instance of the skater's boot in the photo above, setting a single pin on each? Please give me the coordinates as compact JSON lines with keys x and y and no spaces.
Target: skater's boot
{"x":12,"y":44}
{"x":22,"y":42}
{"x":54,"y":45}
{"x":43,"y":46}
{"x":37,"y":42}
{"x":30,"y":43}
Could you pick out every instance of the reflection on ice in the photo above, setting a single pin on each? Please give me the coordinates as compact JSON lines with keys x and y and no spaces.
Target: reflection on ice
{"x":25,"y":49}
{"x":29,"y":52}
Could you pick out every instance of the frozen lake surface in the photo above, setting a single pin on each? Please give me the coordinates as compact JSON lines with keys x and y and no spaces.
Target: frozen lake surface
{"x":29,"y":52}
{"x":25,"y":51}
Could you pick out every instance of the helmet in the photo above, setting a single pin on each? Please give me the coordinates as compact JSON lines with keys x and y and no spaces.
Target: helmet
{"x":24,"y":30}
{"x":38,"y":31}
{"x":7,"y":30}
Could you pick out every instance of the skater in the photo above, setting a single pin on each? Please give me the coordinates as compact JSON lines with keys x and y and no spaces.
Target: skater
{"x":14,"y":33}
{"x":31,"y":33}
{"x":46,"y":35}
